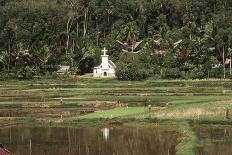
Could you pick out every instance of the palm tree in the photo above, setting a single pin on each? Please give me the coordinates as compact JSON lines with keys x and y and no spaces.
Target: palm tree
{"x":44,"y":55}
{"x":109,"y":10}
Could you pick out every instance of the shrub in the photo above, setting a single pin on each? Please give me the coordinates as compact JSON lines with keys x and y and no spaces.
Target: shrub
{"x":25,"y":73}
{"x":172,"y":73}
{"x":197,"y":75}
{"x":131,"y":71}
{"x":3,"y":76}
{"x":216,"y":72}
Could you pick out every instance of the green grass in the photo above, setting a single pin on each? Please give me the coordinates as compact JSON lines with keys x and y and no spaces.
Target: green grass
{"x":10,"y":106}
{"x":117,"y":112}
{"x":205,"y":96}
{"x":70,"y":105}
{"x":188,"y":140}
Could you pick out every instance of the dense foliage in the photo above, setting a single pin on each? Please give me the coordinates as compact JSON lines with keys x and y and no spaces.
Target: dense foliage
{"x":38,"y":35}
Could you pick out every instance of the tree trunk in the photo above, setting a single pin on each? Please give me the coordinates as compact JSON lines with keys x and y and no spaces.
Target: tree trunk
{"x":230,"y":65}
{"x":77,"y":29}
{"x":30,"y":147}
{"x":9,"y":56}
{"x":190,"y":35}
{"x":85,"y":22}
{"x":224,"y":67}
{"x":73,"y":47}
{"x":67,"y":31}
{"x":68,"y":28}
{"x":45,"y":67}
{"x":108,"y":17}
{"x":97,"y":39}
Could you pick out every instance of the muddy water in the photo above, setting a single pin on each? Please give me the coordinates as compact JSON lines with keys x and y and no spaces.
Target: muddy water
{"x":214,"y":140}
{"x":22,"y":140}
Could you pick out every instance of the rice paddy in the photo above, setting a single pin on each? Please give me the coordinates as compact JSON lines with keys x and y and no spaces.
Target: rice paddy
{"x":177,"y":102}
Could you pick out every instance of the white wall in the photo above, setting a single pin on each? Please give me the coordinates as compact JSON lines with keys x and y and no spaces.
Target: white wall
{"x":99,"y":72}
{"x":105,"y":62}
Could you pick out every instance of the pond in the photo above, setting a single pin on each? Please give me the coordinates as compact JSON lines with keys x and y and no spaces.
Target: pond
{"x":117,"y":140}
{"x":214,"y":140}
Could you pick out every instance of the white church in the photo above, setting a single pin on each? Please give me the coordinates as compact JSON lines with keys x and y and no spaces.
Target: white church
{"x":107,"y":67}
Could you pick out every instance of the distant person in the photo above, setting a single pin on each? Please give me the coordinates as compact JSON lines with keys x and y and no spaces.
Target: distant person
{"x":149,"y":107}
{"x":145,"y":103}
{"x":61,"y":100}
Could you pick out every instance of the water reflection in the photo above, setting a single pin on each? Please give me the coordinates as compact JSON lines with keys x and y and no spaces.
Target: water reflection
{"x":23,"y":140}
{"x":105,"y":133}
{"x":214,"y":140}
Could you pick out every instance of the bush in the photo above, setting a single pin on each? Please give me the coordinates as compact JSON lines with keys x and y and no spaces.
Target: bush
{"x":132,"y":71}
{"x":3,"y":76}
{"x":74,"y":70}
{"x":197,"y":75}
{"x":216,"y":72}
{"x":172,"y":73}
{"x":25,"y":73}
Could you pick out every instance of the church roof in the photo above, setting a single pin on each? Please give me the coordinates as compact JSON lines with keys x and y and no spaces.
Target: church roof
{"x":112,"y":64}
{"x":99,"y":66}
{"x":109,"y":62}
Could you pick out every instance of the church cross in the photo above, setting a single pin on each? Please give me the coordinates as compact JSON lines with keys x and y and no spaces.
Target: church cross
{"x":104,"y":51}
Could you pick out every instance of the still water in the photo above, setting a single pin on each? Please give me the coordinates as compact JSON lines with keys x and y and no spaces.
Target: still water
{"x":123,"y":140}
{"x":214,"y":140}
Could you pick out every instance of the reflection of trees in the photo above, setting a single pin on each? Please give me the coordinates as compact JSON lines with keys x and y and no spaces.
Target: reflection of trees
{"x":83,"y":141}
{"x":214,"y":139}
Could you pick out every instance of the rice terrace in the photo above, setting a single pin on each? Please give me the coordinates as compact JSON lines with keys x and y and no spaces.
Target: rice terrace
{"x":191,"y":112}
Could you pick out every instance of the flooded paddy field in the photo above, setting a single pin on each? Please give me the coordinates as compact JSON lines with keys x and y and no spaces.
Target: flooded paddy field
{"x":123,"y":140}
{"x":214,"y":140}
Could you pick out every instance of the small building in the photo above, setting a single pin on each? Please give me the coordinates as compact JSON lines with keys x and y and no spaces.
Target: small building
{"x":63,"y":69}
{"x":4,"y":151}
{"x":106,"y":68}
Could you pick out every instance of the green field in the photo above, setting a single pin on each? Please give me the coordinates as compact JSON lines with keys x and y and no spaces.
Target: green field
{"x":178,"y":102}
{"x":117,"y":112}
{"x":196,"y":100}
{"x":180,"y":99}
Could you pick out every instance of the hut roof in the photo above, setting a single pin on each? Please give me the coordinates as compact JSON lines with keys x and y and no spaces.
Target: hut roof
{"x":63,"y":69}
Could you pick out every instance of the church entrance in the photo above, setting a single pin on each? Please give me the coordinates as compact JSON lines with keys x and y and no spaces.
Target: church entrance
{"x":105,"y":74}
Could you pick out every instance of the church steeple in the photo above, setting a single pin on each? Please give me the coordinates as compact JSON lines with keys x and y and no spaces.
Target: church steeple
{"x":104,"y":51}
{"x":105,"y":59}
